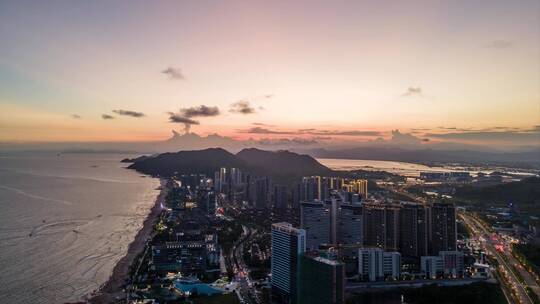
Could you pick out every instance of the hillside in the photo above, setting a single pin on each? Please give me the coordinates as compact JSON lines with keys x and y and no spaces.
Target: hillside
{"x":281,"y":166}
{"x":205,"y":161}
{"x":525,"y":194}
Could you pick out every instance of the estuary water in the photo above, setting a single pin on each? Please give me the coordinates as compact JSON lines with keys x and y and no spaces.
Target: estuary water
{"x":395,"y":167}
{"x":65,"y":220}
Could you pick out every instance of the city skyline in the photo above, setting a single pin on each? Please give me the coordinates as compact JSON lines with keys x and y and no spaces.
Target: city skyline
{"x":333,"y":73}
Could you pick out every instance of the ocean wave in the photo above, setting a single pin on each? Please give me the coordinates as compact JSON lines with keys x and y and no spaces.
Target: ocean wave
{"x":38,"y":197}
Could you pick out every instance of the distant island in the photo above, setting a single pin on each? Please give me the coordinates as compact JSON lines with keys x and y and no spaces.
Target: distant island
{"x":282,"y":166}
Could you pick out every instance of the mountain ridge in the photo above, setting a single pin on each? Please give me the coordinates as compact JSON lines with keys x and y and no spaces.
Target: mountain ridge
{"x":282,"y":165}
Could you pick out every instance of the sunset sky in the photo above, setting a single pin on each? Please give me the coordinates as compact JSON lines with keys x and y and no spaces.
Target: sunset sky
{"x":351,"y":70}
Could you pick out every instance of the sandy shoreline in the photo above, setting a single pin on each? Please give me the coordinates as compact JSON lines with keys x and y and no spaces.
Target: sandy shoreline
{"x":112,"y":290}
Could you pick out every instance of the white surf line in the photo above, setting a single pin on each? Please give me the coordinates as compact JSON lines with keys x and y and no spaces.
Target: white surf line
{"x":21,"y":192}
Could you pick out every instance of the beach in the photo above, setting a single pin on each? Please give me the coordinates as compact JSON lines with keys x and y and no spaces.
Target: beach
{"x":113,"y":289}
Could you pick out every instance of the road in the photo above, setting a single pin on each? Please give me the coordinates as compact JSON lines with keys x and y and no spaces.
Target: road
{"x":493,"y":245}
{"x":411,"y":283}
{"x":246,"y":292}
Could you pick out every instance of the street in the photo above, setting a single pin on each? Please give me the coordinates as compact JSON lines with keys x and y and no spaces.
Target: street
{"x":495,"y":246}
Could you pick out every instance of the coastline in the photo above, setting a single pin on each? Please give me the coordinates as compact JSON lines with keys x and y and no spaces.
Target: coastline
{"x":113,"y":289}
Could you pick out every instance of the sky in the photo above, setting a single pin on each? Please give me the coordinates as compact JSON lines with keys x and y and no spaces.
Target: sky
{"x":83,"y":71}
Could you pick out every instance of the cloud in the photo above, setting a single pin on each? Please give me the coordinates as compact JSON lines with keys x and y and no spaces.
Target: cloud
{"x":262,"y":124}
{"x":179,"y":118}
{"x":499,"y":44}
{"x":186,"y":115}
{"x":107,"y":116}
{"x":260,"y":130}
{"x":311,"y":131}
{"x":404,"y":138}
{"x":346,"y":133}
{"x":287,"y":141}
{"x":176,"y":118}
{"x":174,"y":73}
{"x":200,"y":111}
{"x":75,"y":116}
{"x":521,"y":137}
{"x":129,"y":113}
{"x":413,"y":91}
{"x":242,"y":107}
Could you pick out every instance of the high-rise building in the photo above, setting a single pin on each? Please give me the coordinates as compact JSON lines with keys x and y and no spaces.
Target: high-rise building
{"x":288,"y":244}
{"x":315,"y":219}
{"x":361,"y":187}
{"x":208,"y":201}
{"x":381,"y":225}
{"x":443,"y":228}
{"x":374,"y":222}
{"x":413,"y":231}
{"x":333,"y":205}
{"x":374,"y":264}
{"x":259,"y":192}
{"x":321,"y":280}
{"x":392,"y":227}
{"x":350,"y":224}
{"x":311,"y":188}
{"x":279,"y":197}
{"x":236,"y":177}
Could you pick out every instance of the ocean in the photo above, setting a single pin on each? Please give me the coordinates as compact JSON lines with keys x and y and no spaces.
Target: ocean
{"x":65,"y":220}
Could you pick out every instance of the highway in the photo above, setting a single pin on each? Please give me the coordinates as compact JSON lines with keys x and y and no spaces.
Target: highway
{"x":494,"y":246}
{"x":246,"y":292}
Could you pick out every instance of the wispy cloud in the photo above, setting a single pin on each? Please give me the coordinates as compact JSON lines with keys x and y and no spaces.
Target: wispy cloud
{"x":245,"y":106}
{"x":174,"y":73}
{"x":499,"y":44}
{"x":107,"y":116}
{"x":260,"y":130}
{"x":262,"y":124}
{"x":531,"y":136}
{"x":311,"y":131}
{"x":345,"y":133}
{"x":286,"y":141}
{"x":76,"y":116}
{"x":129,"y":113}
{"x":412,"y":91}
{"x":242,"y":107}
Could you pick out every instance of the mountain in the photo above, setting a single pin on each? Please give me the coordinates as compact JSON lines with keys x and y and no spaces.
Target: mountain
{"x":282,"y":163}
{"x":525,"y":194}
{"x":281,"y":166}
{"x":205,"y":161}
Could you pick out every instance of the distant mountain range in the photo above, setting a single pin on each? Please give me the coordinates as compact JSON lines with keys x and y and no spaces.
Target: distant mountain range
{"x":520,"y":159}
{"x":402,"y":147}
{"x":281,"y":166}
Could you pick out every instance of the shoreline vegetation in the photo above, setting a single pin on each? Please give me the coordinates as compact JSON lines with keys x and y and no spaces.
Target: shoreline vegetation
{"x":113,"y":289}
